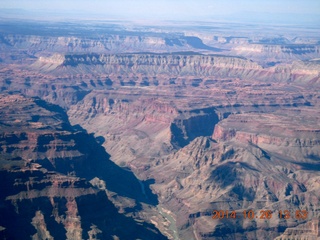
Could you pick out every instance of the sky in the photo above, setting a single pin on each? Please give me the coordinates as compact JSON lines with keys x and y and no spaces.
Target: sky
{"x":202,"y":10}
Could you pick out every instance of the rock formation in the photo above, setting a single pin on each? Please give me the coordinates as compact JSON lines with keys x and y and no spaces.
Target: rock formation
{"x":177,"y":65}
{"x":241,"y":168}
{"x":109,"y":132}
{"x":41,"y":157}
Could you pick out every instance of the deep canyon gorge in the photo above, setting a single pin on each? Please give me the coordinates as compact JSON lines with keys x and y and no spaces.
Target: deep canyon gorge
{"x":109,"y":132}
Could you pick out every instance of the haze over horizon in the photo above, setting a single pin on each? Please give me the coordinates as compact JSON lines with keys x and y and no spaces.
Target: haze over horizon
{"x":283,"y":12}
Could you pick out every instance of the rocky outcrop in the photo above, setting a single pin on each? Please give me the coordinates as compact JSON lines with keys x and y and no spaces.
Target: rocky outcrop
{"x":308,"y":231}
{"x":272,"y":129}
{"x":182,"y":64}
{"x":177,"y":65}
{"x":253,"y":161}
{"x":237,"y":131}
{"x":109,"y":42}
{"x":189,"y":125}
{"x":273,"y":54}
{"x":153,"y":122}
{"x":225,"y":176}
{"x":280,"y":49}
{"x":46,"y":167}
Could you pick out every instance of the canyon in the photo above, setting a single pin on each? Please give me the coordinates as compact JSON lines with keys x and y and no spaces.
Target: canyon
{"x":47,"y":165}
{"x":109,"y":132}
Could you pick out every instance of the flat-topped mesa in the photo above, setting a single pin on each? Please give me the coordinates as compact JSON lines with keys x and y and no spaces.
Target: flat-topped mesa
{"x":148,"y":63}
{"x":56,"y":59}
{"x":49,"y":63}
{"x":279,"y":130}
{"x":274,"y":48}
{"x":176,"y":64}
{"x":275,"y":53}
{"x":107,"y":43}
{"x":153,"y":59}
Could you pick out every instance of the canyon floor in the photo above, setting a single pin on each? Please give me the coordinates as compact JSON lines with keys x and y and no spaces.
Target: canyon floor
{"x":109,"y":131}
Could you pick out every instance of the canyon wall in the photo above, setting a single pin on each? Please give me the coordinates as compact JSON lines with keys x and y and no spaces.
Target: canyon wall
{"x":178,"y":65}
{"x":58,"y":180}
{"x":207,"y":120}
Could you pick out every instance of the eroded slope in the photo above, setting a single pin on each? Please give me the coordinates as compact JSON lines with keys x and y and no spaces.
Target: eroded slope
{"x":45,"y":170}
{"x":249,"y":163}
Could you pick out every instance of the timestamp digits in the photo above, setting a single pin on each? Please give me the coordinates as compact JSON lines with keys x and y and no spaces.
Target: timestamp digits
{"x":299,"y":214}
{"x":220,"y":214}
{"x":260,"y":214}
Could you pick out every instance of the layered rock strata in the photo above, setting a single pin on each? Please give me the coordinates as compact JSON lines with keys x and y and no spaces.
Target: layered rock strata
{"x":45,"y":168}
{"x":249,"y":163}
{"x":177,"y":64}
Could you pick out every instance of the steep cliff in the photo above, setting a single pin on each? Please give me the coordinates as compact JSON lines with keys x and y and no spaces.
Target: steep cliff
{"x":278,"y":52}
{"x":118,"y":41}
{"x":150,"y":126}
{"x":45,"y":169}
{"x":308,"y":231}
{"x":237,"y":131}
{"x":252,"y":162}
{"x":278,"y":129}
{"x":189,"y":64}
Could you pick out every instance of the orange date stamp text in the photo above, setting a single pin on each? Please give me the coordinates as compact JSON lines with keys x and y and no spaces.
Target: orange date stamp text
{"x":260,"y":214}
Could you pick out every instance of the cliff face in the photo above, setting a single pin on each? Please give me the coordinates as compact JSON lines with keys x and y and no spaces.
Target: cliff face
{"x":308,"y":231}
{"x":150,"y":126}
{"x":251,"y":162}
{"x":47,"y":205}
{"x":278,"y":129}
{"x":269,"y":49}
{"x":190,"y":125}
{"x":79,"y":44}
{"x":235,"y":131}
{"x":176,"y":65}
{"x":45,"y":169}
{"x":278,"y":52}
{"x":189,"y":64}
{"x":102,"y":43}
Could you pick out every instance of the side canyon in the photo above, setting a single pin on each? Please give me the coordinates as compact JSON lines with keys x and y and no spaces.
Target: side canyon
{"x":110,"y":133}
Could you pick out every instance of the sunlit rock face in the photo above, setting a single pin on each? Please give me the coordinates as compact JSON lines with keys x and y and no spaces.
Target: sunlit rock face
{"x":176,"y":65}
{"x":142,"y":134}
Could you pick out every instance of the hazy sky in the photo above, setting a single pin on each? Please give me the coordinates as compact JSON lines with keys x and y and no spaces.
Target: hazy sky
{"x":176,"y":9}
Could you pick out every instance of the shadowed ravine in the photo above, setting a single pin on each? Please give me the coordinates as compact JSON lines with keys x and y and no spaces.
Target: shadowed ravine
{"x":119,"y":130}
